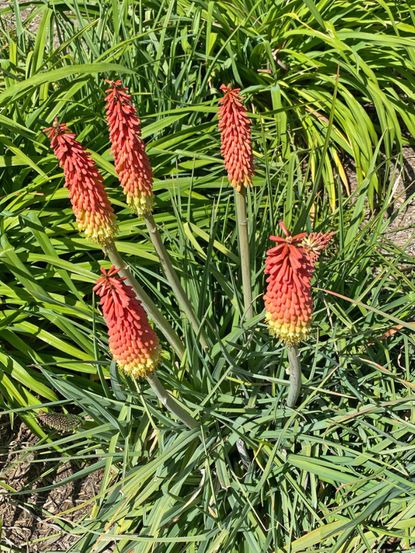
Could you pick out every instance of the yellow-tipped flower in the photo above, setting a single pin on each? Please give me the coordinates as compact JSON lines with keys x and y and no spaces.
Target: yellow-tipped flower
{"x":93,"y":212}
{"x":236,"y":144}
{"x":133,"y":343}
{"x":131,"y":161}
{"x":290,"y":266}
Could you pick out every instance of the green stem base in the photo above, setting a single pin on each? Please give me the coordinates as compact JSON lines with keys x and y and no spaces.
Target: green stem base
{"x":173,"y":279}
{"x":295,"y":376}
{"x":170,"y":403}
{"x":243,"y":238}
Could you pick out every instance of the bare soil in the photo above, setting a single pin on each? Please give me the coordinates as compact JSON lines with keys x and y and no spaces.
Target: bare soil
{"x":402,"y":210}
{"x":32,"y":520}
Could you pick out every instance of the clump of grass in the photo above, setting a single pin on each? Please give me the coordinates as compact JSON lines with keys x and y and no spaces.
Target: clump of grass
{"x":336,"y":474}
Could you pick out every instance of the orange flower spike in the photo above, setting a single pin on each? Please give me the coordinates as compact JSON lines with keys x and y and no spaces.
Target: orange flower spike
{"x":133,"y":343}
{"x":93,"y":212}
{"x":236,"y":145}
{"x":290,"y":266}
{"x":131,"y":161}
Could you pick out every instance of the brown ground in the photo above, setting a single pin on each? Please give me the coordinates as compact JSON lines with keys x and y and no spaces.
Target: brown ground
{"x":402,"y":211}
{"x":31,"y":522}
{"x":401,"y":208}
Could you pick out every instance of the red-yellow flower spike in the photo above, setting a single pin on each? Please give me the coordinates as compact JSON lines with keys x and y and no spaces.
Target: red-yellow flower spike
{"x":290,"y":266}
{"x":93,"y":212}
{"x":131,"y":161}
{"x":133,"y":343}
{"x":235,"y":131}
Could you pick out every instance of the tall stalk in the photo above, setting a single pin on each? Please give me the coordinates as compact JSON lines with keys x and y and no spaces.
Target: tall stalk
{"x":169,"y":402}
{"x":243,"y":238}
{"x":295,"y":376}
{"x":173,"y":279}
{"x":153,"y":312}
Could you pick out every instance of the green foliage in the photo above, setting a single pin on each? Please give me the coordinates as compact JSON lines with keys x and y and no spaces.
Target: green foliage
{"x":337,"y":473}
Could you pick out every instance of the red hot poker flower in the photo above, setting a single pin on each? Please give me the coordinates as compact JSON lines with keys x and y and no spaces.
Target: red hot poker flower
{"x":131,"y":162}
{"x":315,"y":243}
{"x":132,"y":342}
{"x":290,"y":266}
{"x":236,"y":146}
{"x":93,"y":212}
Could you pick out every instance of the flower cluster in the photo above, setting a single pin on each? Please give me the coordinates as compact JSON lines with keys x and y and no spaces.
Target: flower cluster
{"x":93,"y":212}
{"x":235,"y":133}
{"x":131,"y":162}
{"x":132,"y":342}
{"x":290,"y":266}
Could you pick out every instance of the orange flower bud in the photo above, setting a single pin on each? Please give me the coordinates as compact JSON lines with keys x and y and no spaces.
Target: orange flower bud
{"x":93,"y":212}
{"x":236,"y":147}
{"x":290,"y":266}
{"x":133,"y":343}
{"x":131,"y":162}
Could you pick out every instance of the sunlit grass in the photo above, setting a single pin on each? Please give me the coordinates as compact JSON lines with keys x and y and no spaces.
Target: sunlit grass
{"x":337,"y":473}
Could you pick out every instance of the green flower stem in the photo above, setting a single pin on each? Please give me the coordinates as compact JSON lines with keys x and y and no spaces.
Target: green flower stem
{"x":240,"y":202}
{"x":170,"y":403}
{"x":295,"y":376}
{"x":153,"y":312}
{"x":173,"y":279}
